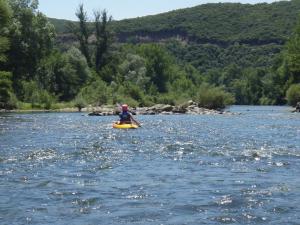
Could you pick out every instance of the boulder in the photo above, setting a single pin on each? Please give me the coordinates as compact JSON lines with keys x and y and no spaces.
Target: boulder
{"x":159,"y":108}
{"x":298,"y":107}
{"x":179,"y":109}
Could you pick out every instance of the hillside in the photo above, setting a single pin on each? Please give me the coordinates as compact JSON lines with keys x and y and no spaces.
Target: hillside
{"x":215,"y":54}
{"x":221,"y":24}
{"x":214,"y":35}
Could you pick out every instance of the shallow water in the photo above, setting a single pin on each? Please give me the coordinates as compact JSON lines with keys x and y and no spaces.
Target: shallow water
{"x":69,"y":168}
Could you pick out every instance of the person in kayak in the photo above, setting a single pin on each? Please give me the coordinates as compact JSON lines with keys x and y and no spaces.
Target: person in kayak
{"x":126,"y":117}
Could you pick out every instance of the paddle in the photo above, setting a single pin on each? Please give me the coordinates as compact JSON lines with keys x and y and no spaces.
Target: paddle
{"x":136,"y":122}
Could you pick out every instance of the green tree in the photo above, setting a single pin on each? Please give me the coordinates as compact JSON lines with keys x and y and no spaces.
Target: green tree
{"x":158,"y":63}
{"x":248,"y":88}
{"x":213,"y":97}
{"x":229,"y":74}
{"x":96,"y":93}
{"x":32,"y":37}
{"x":64,"y":74}
{"x":96,"y":52}
{"x":79,"y":102}
{"x":5,"y":15}
{"x":103,"y":38}
{"x":74,"y":74}
{"x":7,"y":98}
{"x":292,"y":56}
{"x":288,"y":68}
{"x":133,"y":69}
{"x":36,"y":96}
{"x":293,"y":94}
{"x":83,"y":33}
{"x":50,"y":71}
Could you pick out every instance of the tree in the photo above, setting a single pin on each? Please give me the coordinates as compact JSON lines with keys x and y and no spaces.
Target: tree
{"x":7,"y":99}
{"x":103,"y":38}
{"x":96,"y":92}
{"x":213,"y":97}
{"x":83,"y":33}
{"x":248,"y":89}
{"x":73,"y":75}
{"x":158,"y":63}
{"x":293,"y":94}
{"x":292,"y":56}
{"x":37,"y":96}
{"x":5,"y":15}
{"x":63,"y":74}
{"x":133,"y":69}
{"x":32,"y":38}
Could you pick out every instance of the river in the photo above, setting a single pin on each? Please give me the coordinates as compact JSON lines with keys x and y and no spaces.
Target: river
{"x":69,"y":168}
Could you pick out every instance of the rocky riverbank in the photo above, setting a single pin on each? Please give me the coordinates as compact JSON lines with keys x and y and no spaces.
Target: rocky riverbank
{"x":188,"y":108}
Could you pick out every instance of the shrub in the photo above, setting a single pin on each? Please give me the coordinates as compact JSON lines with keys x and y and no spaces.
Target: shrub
{"x":213,"y":97}
{"x":96,"y":93}
{"x":266,"y":101}
{"x":79,"y":102}
{"x":293,"y":94}
{"x":134,"y":92}
{"x":46,"y":99}
{"x":39,"y":98}
{"x":127,"y":100}
{"x":7,"y":99}
{"x":166,"y":99}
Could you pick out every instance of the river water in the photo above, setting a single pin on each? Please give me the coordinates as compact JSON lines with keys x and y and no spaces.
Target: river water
{"x":69,"y":168}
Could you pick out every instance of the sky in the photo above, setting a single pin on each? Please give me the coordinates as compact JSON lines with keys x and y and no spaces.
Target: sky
{"x":123,"y":9}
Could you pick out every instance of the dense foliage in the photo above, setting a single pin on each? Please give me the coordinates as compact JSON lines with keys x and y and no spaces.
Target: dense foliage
{"x":221,"y":23}
{"x":215,"y":54}
{"x":293,"y":94}
{"x":7,"y":99}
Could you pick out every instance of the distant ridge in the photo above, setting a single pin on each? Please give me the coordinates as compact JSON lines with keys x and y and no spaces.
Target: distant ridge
{"x":211,"y":30}
{"x":218,"y":23}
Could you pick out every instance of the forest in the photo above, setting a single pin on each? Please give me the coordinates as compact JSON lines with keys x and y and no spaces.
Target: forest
{"x":214,"y":54}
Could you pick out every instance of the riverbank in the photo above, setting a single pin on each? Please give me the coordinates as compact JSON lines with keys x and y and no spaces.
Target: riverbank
{"x":189,"y":107}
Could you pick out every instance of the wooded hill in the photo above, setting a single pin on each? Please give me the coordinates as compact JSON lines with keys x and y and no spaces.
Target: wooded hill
{"x":214,"y":35}
{"x":214,"y":54}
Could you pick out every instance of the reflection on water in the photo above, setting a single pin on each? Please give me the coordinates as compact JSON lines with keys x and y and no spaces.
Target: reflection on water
{"x":68,"y":168}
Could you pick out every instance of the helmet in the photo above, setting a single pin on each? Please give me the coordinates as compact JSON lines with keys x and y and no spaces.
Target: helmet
{"x":124,"y":107}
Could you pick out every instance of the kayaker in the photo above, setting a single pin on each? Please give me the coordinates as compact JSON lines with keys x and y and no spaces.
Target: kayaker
{"x":126,"y":117}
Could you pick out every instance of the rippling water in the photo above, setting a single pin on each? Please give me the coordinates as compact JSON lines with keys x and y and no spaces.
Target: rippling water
{"x":68,"y":168}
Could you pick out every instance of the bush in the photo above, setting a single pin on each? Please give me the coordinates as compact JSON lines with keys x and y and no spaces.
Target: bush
{"x":127,"y":100}
{"x":134,"y":92}
{"x":293,"y":94}
{"x":147,"y":101}
{"x":266,"y":101}
{"x":166,"y":99}
{"x":96,"y":93}
{"x":79,"y":102}
{"x":38,"y":97}
{"x":7,"y":99}
{"x":213,"y":97}
{"x":46,"y":99}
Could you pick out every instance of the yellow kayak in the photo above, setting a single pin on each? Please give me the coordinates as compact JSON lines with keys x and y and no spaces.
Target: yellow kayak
{"x":125,"y":125}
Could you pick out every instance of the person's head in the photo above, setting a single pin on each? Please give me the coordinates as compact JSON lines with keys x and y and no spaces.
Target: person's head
{"x":124,"y":107}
